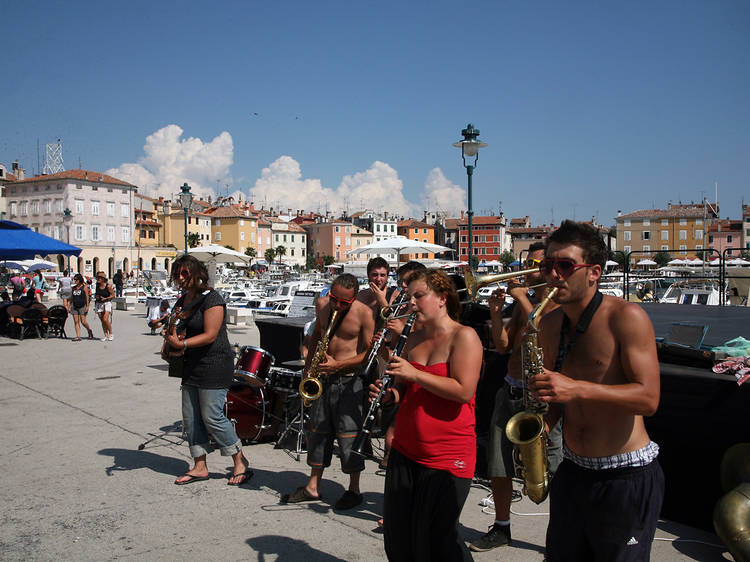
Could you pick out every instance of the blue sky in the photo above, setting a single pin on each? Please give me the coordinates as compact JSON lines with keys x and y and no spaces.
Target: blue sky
{"x":587,"y":107}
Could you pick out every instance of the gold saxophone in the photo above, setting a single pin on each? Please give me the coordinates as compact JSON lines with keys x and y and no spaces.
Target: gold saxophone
{"x":526,"y":429}
{"x":311,"y":387}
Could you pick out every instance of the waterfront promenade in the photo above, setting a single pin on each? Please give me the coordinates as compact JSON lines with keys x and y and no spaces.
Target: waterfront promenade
{"x":76,"y":487}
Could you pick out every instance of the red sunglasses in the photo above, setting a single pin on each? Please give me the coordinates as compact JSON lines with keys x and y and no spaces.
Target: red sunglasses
{"x":563,"y":266}
{"x":336,"y":299}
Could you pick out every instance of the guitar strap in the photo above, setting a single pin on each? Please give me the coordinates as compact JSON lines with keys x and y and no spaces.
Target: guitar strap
{"x":190,"y":310}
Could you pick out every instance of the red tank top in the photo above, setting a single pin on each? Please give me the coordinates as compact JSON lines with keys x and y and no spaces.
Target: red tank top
{"x":436,"y":432}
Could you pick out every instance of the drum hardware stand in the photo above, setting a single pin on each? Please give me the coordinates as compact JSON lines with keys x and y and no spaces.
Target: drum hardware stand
{"x":175,"y":427}
{"x":296,"y":425}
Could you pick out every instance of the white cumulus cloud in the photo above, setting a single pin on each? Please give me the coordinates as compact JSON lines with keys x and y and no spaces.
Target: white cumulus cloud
{"x":169,"y":161}
{"x":282,"y":186}
{"x":440,"y":194}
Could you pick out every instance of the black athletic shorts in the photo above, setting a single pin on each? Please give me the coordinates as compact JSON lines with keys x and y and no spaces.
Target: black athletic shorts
{"x":608,"y":515}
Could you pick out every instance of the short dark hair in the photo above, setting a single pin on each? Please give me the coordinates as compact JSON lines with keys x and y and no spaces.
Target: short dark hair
{"x":405,"y":270}
{"x":585,"y":237}
{"x":347,"y":281}
{"x":376,"y":263}
{"x":536,"y":246}
{"x":197,"y":270}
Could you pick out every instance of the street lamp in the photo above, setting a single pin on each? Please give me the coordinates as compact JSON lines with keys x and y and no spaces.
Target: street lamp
{"x":186,"y":200}
{"x":470,"y":149}
{"x":67,"y":218}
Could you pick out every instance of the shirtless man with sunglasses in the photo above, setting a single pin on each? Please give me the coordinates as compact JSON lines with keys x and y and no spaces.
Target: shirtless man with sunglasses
{"x":602,"y":376}
{"x":337,"y":414}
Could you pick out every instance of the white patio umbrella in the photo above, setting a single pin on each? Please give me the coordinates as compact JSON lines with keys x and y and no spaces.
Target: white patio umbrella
{"x":677,"y":261}
{"x":611,"y":263}
{"x":738,"y":261}
{"x":646,"y":261}
{"x":219,"y":254}
{"x":695,"y":261}
{"x":214,"y":254}
{"x":399,"y":245}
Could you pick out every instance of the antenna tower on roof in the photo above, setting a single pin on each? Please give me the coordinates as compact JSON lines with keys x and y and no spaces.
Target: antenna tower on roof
{"x":53,"y":160}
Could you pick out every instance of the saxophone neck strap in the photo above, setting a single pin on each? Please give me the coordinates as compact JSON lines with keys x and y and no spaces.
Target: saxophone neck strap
{"x":564,"y":348}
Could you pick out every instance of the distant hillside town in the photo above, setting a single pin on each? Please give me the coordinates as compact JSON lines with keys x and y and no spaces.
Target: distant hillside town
{"x":119,"y":228}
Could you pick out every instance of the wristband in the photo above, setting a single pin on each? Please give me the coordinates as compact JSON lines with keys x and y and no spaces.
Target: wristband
{"x":184,"y":344}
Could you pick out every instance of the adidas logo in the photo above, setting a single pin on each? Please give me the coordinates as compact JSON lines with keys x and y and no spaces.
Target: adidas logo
{"x":632,"y":541}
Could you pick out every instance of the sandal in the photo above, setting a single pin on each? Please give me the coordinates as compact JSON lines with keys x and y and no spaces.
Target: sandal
{"x":247,"y":475}
{"x":300,"y":495}
{"x":76,"y":339}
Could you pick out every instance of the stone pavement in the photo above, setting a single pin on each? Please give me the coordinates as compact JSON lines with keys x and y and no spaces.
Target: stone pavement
{"x":76,"y":487}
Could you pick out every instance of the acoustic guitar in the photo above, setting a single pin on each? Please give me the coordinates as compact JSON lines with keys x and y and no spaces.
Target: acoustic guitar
{"x":175,"y":356}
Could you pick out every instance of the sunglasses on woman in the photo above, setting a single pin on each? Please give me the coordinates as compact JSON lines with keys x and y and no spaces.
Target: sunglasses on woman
{"x":563,"y":266}
{"x":532,"y":262}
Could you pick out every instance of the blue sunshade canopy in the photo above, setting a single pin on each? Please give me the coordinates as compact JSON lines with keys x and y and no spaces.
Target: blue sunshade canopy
{"x":19,"y":242}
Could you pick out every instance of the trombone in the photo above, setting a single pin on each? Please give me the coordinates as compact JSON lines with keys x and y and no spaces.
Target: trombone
{"x":390,"y":312}
{"x":475,"y":282}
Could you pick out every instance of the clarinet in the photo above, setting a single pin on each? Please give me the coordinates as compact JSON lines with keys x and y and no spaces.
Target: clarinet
{"x":372,"y":354}
{"x":387,"y":381}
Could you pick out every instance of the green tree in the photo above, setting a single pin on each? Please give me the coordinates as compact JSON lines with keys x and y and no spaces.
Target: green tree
{"x":193,"y":239}
{"x":662,"y":258}
{"x":619,"y":256}
{"x":507,"y":258}
{"x":269,"y":254}
{"x":228,"y":246}
{"x":311,"y":262}
{"x":280,"y":252}
{"x":250,"y":251}
{"x":328,"y":260}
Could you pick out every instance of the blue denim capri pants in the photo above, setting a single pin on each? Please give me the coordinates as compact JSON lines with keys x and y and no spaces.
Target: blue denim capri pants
{"x":203,"y":418}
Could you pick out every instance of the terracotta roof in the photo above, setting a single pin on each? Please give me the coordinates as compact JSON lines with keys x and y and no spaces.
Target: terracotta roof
{"x":226,"y":212}
{"x":451,"y":224}
{"x":147,"y":223}
{"x":82,"y":175}
{"x":528,"y":230}
{"x":495,"y":219}
{"x":674,"y":211}
{"x":726,"y":227}
{"x":411,"y":223}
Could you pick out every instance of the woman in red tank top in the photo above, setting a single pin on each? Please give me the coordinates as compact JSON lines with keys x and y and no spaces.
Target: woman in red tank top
{"x":434,"y":448}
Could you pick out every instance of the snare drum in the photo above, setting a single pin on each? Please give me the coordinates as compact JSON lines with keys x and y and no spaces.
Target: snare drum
{"x":284,"y":380}
{"x":253,"y":365}
{"x":250,"y":409}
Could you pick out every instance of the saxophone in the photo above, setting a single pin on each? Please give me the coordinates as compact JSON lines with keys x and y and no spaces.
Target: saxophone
{"x":311,"y":387}
{"x":526,"y":429}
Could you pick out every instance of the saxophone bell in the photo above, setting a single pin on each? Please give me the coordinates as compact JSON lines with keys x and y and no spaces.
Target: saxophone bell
{"x":311,"y":387}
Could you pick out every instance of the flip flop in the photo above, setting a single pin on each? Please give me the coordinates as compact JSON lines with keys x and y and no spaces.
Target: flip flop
{"x":248,"y":474}
{"x":191,"y":478}
{"x":300,"y":495}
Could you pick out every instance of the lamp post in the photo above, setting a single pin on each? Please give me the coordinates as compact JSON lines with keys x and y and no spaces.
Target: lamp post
{"x":186,"y":200}
{"x":470,"y":146}
{"x":67,"y":218}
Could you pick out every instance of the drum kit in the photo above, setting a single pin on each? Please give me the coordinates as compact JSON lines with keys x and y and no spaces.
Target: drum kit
{"x":262,"y":399}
